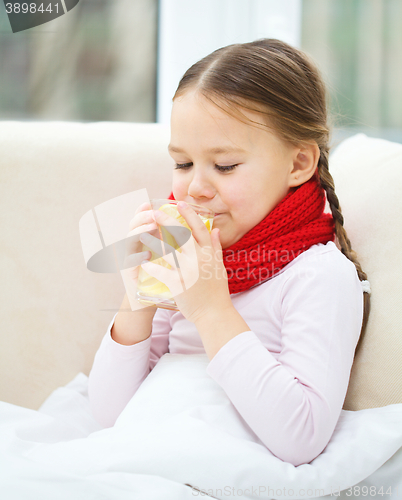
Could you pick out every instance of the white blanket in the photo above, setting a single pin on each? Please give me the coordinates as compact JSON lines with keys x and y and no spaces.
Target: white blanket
{"x":179,"y":438}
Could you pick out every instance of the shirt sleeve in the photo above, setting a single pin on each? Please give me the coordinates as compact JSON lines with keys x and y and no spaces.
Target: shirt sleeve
{"x":293,"y":401}
{"x":119,"y":370}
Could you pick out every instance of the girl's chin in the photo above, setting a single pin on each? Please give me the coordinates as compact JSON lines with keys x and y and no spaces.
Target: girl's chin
{"x":226,"y":239}
{"x":225,"y":242}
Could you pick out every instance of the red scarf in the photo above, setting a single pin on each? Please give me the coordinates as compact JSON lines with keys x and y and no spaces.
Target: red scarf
{"x":291,"y":228}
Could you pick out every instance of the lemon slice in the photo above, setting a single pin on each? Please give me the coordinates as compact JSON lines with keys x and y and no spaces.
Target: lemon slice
{"x":173,"y":212}
{"x":148,"y":285}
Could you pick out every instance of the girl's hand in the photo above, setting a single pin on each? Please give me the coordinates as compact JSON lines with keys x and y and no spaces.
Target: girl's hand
{"x":200,"y":264}
{"x":134,"y":254}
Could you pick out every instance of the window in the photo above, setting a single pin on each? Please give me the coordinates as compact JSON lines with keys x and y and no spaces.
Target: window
{"x":358,"y":46}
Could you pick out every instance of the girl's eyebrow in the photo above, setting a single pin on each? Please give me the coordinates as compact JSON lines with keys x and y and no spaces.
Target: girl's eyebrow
{"x":228,"y":149}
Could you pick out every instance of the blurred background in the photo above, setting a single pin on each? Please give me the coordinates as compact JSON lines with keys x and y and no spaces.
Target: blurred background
{"x":121,"y":60}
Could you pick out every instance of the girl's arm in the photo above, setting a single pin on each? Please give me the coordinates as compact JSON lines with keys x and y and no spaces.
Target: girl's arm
{"x":292,"y":401}
{"x":119,"y":370}
{"x":131,"y":327}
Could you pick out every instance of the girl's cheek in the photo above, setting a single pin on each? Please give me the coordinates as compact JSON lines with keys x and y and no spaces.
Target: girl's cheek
{"x":179,"y":189}
{"x":235,"y":199}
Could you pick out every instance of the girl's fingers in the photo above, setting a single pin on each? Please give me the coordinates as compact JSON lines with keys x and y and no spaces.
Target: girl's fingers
{"x":217,"y":244}
{"x":198,"y":228}
{"x":135,"y":259}
{"x":164,"y":219}
{"x":155,"y":244}
{"x":142,"y":229}
{"x":144,"y":206}
{"x":132,"y":241}
{"x":144,"y":217}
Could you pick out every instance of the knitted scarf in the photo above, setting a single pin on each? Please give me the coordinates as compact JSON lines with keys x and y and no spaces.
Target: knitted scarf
{"x":291,"y":228}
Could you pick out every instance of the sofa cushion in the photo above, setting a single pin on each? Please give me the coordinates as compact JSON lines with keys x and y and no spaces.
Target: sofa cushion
{"x":368,"y":182}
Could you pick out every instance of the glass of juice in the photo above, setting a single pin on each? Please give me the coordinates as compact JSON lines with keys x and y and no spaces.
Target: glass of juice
{"x":151,"y":291}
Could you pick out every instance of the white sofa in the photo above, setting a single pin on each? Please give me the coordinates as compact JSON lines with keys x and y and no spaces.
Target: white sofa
{"x":54,"y":312}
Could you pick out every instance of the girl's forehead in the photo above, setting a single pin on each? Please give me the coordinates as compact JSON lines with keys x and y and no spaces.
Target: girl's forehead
{"x":244,"y":116}
{"x":197,"y":119}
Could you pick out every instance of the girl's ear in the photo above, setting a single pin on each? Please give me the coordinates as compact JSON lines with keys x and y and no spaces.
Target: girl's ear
{"x":305,"y":161}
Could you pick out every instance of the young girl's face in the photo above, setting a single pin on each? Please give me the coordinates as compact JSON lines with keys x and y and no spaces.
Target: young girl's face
{"x":206,"y":143}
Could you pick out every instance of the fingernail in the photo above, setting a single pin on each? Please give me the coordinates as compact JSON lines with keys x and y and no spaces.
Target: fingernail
{"x":144,"y":262}
{"x":182,"y":204}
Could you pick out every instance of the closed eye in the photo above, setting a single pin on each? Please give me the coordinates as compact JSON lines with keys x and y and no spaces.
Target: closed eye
{"x":183,"y":165}
{"x":219,"y":167}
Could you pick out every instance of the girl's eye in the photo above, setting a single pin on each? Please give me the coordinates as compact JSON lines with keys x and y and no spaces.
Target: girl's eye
{"x":183,"y":165}
{"x":226,"y":169}
{"x":219,"y":167}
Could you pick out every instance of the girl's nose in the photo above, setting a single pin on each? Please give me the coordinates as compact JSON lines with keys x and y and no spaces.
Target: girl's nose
{"x":200,"y":186}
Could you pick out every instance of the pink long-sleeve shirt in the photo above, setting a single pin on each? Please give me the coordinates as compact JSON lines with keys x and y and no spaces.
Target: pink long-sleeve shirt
{"x":287,"y":376}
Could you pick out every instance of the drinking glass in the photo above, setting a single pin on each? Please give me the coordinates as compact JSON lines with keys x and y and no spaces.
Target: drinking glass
{"x":151,"y":291}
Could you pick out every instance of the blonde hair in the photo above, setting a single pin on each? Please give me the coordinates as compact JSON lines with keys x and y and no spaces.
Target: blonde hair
{"x":282,"y":83}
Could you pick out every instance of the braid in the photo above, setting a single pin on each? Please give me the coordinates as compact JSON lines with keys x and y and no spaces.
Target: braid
{"x":328,"y":184}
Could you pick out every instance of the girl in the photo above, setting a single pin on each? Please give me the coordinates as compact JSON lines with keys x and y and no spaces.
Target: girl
{"x":281,"y":314}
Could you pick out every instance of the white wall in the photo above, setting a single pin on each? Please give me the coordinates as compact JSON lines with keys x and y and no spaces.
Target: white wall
{"x":191,"y":29}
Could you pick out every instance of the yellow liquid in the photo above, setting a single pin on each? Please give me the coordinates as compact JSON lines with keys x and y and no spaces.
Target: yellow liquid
{"x":151,"y":291}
